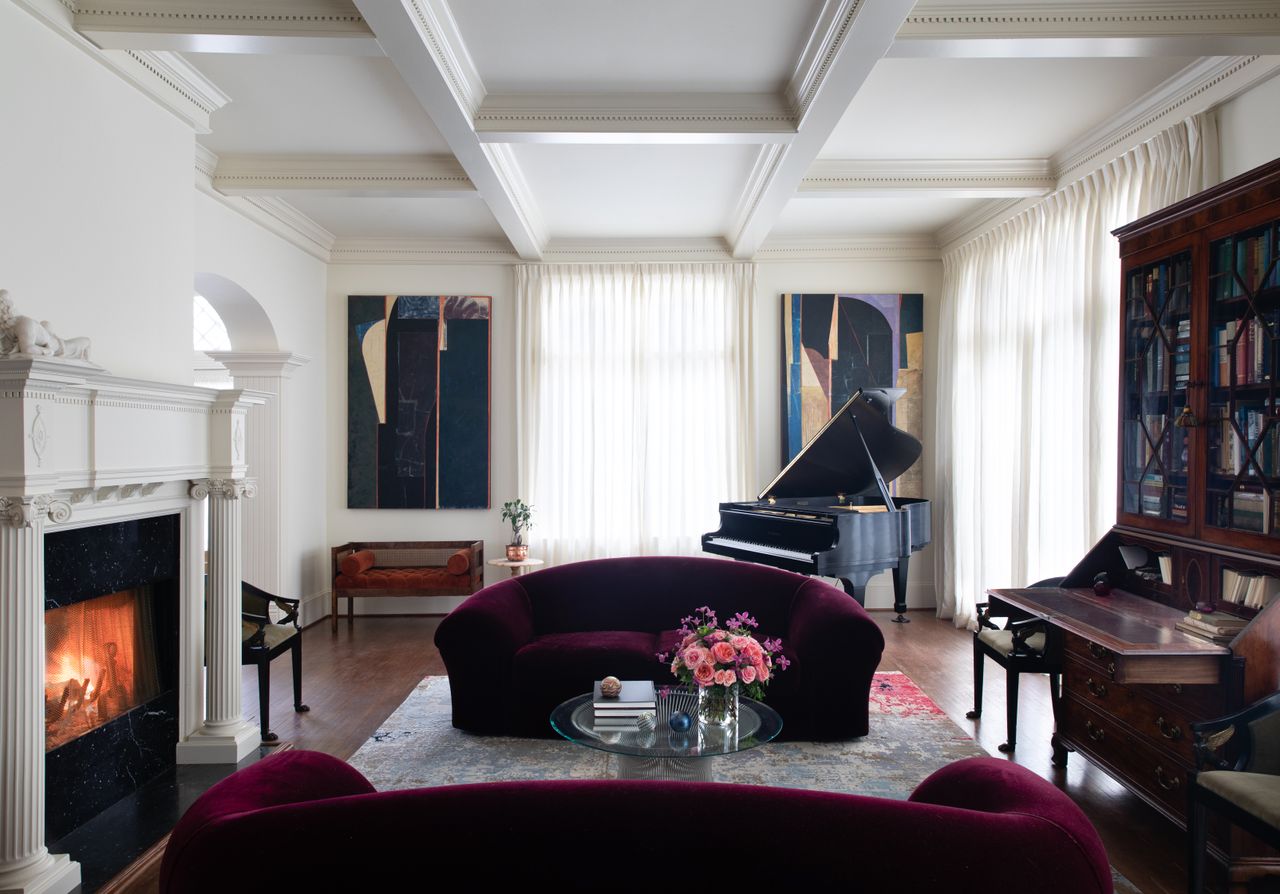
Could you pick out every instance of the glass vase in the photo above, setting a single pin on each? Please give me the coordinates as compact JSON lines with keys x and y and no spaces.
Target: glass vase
{"x":718,"y":705}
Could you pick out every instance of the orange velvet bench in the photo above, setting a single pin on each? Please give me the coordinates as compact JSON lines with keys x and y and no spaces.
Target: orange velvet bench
{"x":405,"y":568}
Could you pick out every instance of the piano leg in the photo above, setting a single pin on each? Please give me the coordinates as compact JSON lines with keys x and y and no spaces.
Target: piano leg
{"x":857,"y":591}
{"x":900,"y":590}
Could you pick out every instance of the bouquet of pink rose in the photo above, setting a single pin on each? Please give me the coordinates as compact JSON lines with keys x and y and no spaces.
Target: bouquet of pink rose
{"x":711,"y":656}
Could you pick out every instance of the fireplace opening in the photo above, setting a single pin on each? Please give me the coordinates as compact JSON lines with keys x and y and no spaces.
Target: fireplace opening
{"x":100,"y":662}
{"x":111,"y":664}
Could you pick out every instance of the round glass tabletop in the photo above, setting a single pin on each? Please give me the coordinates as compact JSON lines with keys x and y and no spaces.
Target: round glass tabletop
{"x":652,"y":737}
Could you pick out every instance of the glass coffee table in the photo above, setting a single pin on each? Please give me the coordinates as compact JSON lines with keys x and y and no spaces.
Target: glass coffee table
{"x":652,"y":750}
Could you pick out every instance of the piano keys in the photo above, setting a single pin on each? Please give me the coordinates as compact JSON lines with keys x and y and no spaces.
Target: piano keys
{"x":829,"y":512}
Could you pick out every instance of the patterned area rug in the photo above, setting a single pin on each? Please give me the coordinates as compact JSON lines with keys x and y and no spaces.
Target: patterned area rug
{"x":910,"y":738}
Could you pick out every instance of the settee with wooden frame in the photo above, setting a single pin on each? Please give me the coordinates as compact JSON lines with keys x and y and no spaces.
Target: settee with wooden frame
{"x":405,"y":568}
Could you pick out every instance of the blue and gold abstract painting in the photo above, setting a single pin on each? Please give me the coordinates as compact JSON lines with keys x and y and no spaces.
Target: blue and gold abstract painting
{"x":418,"y":402}
{"x":834,"y":344}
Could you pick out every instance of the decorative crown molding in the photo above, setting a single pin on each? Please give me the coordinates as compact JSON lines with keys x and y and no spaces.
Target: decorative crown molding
{"x":1204,"y":83}
{"x":1092,"y":18}
{"x":855,"y":248}
{"x":441,"y":36}
{"x":763,"y":173}
{"x":635,"y":117}
{"x":422,"y":251}
{"x":265,"y":26}
{"x":820,"y":51}
{"x":955,"y":178}
{"x":344,"y":175}
{"x":981,"y":219}
{"x":164,"y":77}
{"x":502,"y":160}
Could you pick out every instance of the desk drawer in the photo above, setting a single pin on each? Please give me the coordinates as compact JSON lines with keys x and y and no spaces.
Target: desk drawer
{"x":1154,"y":773}
{"x":1164,"y":725}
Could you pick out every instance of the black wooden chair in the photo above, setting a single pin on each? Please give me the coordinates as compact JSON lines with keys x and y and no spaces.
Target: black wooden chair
{"x":1025,"y":645}
{"x":1244,"y":791}
{"x":263,"y":640}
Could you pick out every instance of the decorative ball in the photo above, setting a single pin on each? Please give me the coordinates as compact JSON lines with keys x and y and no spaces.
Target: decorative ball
{"x":610,"y":687}
{"x":680,"y":722}
{"x":1102,"y":584}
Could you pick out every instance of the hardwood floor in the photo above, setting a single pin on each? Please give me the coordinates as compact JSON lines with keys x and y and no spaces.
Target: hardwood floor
{"x":355,"y":680}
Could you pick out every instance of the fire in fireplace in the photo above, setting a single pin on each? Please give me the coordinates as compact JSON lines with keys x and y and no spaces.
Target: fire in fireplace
{"x":100,"y":662}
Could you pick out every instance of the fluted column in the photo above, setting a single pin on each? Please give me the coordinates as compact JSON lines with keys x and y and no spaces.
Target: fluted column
{"x":25,"y":862}
{"x":225,"y":736}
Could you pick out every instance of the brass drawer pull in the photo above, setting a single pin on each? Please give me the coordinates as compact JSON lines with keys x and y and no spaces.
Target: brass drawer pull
{"x":1097,"y":651}
{"x":1096,"y":733}
{"x":1097,"y":690}
{"x":1168,"y":783}
{"x":1170,"y":731}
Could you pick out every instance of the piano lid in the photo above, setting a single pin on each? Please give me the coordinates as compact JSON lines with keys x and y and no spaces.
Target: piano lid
{"x":834,"y":461}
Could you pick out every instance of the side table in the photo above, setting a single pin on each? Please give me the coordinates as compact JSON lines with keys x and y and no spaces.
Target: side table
{"x":517,"y":568}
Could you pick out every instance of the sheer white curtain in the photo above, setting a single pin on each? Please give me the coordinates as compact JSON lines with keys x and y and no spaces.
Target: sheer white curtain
{"x":1028,"y":369}
{"x":634,"y":389}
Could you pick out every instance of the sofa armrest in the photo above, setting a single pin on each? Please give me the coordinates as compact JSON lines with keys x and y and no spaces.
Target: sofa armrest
{"x":287,"y":777}
{"x":837,"y":649}
{"x":478,"y":641}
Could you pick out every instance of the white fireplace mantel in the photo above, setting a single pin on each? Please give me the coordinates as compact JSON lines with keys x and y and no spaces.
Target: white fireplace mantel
{"x":79,"y":447}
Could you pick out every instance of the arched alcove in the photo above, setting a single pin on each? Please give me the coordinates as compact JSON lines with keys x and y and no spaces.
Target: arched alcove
{"x":247,"y":322}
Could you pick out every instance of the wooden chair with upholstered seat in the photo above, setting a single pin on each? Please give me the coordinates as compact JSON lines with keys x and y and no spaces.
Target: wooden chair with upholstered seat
{"x":263,"y":640}
{"x":1025,"y":645}
{"x":1244,"y":791}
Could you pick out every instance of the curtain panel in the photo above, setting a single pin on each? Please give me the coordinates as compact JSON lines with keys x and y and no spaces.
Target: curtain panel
{"x":634,"y":403}
{"x":1028,"y":371}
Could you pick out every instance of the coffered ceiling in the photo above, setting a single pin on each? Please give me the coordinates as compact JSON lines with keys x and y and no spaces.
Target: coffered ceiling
{"x":528,"y":128}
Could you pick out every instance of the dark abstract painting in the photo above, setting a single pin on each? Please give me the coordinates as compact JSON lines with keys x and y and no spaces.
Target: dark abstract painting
{"x":834,"y":344}
{"x":417,"y":402}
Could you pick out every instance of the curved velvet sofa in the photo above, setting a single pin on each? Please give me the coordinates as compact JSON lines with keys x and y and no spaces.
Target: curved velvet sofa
{"x":304,"y":821}
{"x":518,"y":648}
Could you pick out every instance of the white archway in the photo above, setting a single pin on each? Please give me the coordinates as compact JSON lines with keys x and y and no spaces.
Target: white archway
{"x":247,"y":323}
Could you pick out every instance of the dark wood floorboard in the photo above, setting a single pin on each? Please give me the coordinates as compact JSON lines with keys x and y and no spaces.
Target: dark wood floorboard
{"x":355,"y":680}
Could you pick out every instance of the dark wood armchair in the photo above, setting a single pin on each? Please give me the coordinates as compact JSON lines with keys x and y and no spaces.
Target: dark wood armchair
{"x":1024,"y":645}
{"x":1246,"y":790}
{"x":263,"y":640}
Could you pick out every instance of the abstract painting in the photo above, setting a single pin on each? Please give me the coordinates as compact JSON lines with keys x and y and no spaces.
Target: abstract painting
{"x":417,"y":402}
{"x":834,"y":344}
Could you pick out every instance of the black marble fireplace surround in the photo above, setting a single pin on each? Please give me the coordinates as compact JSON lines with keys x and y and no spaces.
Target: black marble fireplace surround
{"x":88,"y":774}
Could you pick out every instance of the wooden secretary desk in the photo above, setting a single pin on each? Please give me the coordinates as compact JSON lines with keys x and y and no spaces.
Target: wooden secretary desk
{"x":1198,"y":518}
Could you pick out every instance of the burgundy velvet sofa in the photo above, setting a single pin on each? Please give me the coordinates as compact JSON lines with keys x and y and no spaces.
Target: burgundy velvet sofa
{"x":520,"y":647}
{"x":305,"y":821}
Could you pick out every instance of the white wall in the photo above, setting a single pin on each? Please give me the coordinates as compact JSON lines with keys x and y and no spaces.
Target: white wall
{"x":290,"y":286}
{"x":346,"y":524}
{"x":776,"y":278}
{"x":1249,"y":128}
{"x":95,"y":204}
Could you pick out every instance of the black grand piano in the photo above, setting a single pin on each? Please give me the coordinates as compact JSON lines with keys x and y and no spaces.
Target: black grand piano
{"x":829,"y":512}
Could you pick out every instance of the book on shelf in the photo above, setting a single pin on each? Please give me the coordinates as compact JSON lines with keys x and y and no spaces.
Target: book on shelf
{"x":1166,"y":561}
{"x":1262,"y":589}
{"x":1250,"y":511}
{"x":1234,"y":586}
{"x":635,"y":695}
{"x":1212,"y":637}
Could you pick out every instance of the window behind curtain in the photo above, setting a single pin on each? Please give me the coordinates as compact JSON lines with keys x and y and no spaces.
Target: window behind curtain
{"x":634,"y":397}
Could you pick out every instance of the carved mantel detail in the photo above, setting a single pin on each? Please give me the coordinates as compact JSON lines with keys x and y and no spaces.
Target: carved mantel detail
{"x":23,"y":512}
{"x":226,"y":488}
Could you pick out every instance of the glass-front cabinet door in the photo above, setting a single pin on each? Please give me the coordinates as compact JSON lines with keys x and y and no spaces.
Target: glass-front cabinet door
{"x":1242,"y":490}
{"x":1157,"y":372}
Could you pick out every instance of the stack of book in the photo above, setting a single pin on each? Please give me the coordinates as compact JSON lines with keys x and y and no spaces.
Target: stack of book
{"x":623,"y":711}
{"x":1219,"y":627}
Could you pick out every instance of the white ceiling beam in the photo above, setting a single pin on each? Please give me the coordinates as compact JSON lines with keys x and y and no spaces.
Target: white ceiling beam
{"x":715,"y":118}
{"x":408,"y":176}
{"x":953,"y":179}
{"x":1091,"y":29}
{"x":422,"y":40}
{"x":329,"y":27}
{"x":847,"y":41}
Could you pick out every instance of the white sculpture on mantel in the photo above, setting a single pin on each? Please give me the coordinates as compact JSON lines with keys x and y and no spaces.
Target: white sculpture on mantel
{"x":24,"y":336}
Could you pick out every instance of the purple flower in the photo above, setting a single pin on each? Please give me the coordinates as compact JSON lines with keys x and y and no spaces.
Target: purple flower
{"x":783,"y":663}
{"x":661,"y":656}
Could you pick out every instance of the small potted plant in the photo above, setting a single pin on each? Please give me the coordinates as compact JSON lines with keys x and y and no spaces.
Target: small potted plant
{"x":520,"y":514}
